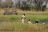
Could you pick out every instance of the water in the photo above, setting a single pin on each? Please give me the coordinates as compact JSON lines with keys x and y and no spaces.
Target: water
{"x":40,"y":22}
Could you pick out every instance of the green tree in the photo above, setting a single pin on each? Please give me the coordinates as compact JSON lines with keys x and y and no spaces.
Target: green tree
{"x":39,"y":6}
{"x":26,"y":6}
{"x":9,"y":4}
{"x":6,"y":4}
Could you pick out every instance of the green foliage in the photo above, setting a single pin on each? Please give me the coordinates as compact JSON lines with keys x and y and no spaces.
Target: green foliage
{"x":26,"y":6}
{"x":6,"y":4}
{"x":13,"y":18}
{"x":39,"y":6}
{"x":18,"y":17}
{"x":37,"y":17}
{"x":9,"y":4}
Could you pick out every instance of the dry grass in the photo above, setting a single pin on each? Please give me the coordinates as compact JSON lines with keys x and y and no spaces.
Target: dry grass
{"x":18,"y":27}
{"x":19,"y":11}
{"x":8,"y":26}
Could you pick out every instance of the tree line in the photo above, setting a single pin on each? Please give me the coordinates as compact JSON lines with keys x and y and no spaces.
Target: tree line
{"x":24,"y":5}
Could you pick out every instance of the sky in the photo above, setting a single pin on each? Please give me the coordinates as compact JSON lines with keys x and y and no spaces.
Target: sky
{"x":5,"y":0}
{"x":12,"y":0}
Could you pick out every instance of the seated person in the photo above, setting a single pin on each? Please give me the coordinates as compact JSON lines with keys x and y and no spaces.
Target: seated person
{"x":29,"y":22}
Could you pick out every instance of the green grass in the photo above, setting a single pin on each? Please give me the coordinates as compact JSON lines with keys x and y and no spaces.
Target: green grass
{"x":18,"y":17}
{"x":37,"y":17}
{"x":10,"y":17}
